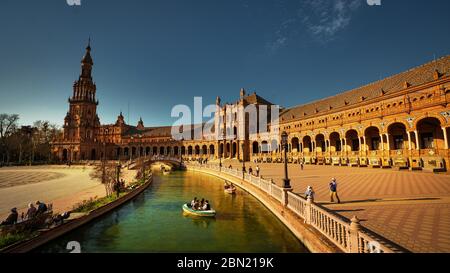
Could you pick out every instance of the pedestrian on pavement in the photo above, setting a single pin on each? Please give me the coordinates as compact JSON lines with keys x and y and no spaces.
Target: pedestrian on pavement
{"x":310,"y":193}
{"x":301,"y":164}
{"x":250,"y":171}
{"x":333,"y":191}
{"x":257,"y":170}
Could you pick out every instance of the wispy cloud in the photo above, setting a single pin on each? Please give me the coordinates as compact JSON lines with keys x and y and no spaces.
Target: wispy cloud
{"x":325,"y":18}
{"x":320,"y":20}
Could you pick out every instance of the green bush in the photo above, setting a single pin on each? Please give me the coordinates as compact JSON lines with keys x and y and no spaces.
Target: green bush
{"x":9,"y":239}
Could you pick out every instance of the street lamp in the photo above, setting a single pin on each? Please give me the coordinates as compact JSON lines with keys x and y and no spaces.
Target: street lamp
{"x":284,"y":142}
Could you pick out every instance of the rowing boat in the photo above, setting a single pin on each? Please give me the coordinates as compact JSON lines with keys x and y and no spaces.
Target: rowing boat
{"x":201,"y":213}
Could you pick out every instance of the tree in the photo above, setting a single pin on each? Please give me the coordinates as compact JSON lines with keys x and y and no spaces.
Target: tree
{"x":106,"y":173}
{"x":8,"y":126}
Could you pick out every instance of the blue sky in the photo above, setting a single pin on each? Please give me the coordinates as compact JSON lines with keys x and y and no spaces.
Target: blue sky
{"x":154,"y":54}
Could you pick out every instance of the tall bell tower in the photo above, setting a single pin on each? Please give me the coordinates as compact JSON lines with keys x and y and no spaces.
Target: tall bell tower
{"x":81,"y":123}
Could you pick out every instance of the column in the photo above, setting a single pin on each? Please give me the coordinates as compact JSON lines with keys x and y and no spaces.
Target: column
{"x":382,"y":142}
{"x":409,"y":141}
{"x":360,"y":144}
{"x":445,"y":138}
{"x":416,"y":134}
{"x":365,"y":144}
{"x":388,"y":142}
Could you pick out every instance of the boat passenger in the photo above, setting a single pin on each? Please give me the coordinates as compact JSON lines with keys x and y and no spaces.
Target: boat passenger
{"x":193,"y":202}
{"x":206,"y":206}
{"x":12,"y":218}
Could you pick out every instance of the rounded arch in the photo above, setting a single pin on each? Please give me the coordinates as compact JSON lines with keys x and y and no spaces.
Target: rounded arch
{"x":430,"y":133}
{"x":295,"y":142}
{"x":176,"y":151}
{"x":255,"y":147}
{"x":307,"y":144}
{"x":197,"y":150}
{"x":352,"y":140}
{"x":335,"y":142}
{"x":372,"y":137}
{"x":189,"y":150}
{"x":389,"y":124}
{"x":320,"y":142}
{"x":397,"y":133}
{"x":443,"y":122}
{"x":212,"y":149}
{"x":204,"y":150}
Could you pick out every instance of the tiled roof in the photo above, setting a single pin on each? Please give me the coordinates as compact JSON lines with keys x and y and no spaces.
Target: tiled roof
{"x":416,"y":76}
{"x":255,"y":99}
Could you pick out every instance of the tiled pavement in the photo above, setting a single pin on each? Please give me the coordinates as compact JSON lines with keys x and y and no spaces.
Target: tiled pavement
{"x":409,"y":208}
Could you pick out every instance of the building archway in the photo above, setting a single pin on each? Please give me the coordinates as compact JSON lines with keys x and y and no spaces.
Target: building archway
{"x":255,"y":147}
{"x":147,"y":151}
{"x":264,"y":147}
{"x":430,"y":133}
{"x":397,"y":136}
{"x":307,"y":144}
{"x":295,"y":145}
{"x":353,"y":141}
{"x":373,"y":140}
{"x":93,"y":154}
{"x":155,"y":151}
{"x":197,"y":150}
{"x":221,"y":150}
{"x":204,"y":150}
{"x":234,"y":152}
{"x":126,"y":151}
{"x":65,"y":155}
{"x":320,"y":143}
{"x":335,"y":142}
{"x":162,"y":150}
{"x":190,"y":150}
{"x":211,"y":150}
{"x":176,"y":151}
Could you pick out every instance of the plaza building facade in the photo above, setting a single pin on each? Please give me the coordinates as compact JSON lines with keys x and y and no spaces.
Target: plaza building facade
{"x":401,"y":122}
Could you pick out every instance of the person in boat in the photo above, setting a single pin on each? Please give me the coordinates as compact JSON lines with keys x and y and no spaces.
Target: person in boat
{"x":202,"y":203}
{"x":41,"y":208}
{"x":193,"y":202}
{"x":206,"y":206}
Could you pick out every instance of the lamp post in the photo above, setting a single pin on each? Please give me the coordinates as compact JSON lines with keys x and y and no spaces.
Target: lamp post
{"x":284,"y":142}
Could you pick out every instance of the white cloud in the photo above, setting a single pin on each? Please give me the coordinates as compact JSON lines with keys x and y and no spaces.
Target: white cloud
{"x":325,"y":18}
{"x":322,"y":20}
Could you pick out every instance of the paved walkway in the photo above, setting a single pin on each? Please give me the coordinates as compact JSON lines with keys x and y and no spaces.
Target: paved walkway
{"x":409,"y":208}
{"x":60,"y":185}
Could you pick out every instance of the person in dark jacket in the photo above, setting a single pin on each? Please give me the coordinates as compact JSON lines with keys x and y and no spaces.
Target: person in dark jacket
{"x":12,"y":218}
{"x":41,"y":207}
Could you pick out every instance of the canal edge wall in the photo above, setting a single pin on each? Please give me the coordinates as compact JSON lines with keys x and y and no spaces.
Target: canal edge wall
{"x":313,"y":240}
{"x":52,"y":234}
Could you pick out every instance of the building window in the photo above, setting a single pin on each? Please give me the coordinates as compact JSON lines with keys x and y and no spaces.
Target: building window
{"x":427,"y":141}
{"x":398,"y":142}
{"x":375,"y":143}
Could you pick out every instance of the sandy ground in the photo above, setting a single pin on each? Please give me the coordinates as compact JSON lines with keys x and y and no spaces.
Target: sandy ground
{"x":60,"y":185}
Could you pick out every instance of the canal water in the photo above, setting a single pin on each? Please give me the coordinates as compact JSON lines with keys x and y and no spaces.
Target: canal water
{"x":154,"y":222}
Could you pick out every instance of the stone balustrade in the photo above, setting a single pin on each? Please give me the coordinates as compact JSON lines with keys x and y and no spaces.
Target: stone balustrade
{"x":350,"y":237}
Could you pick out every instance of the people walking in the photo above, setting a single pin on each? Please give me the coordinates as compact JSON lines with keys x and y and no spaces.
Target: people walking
{"x":257,"y":170}
{"x":301,"y":164}
{"x":333,"y":191}
{"x":250,"y":171}
{"x":310,"y":193}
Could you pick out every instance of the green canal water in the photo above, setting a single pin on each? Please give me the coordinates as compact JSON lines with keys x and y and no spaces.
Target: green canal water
{"x":154,"y":222}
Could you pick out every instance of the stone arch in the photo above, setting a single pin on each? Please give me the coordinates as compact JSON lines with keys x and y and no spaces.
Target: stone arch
{"x":373,"y":140}
{"x":441,"y":119}
{"x":430,"y":133}
{"x":335,"y":142}
{"x":212,"y":150}
{"x":320,"y":143}
{"x":352,"y":140}
{"x":307,"y":144}
{"x":255,"y":147}
{"x":398,"y":136}
{"x":295,"y":142}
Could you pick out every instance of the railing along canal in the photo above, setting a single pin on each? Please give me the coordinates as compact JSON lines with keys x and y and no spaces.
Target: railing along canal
{"x":350,"y":237}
